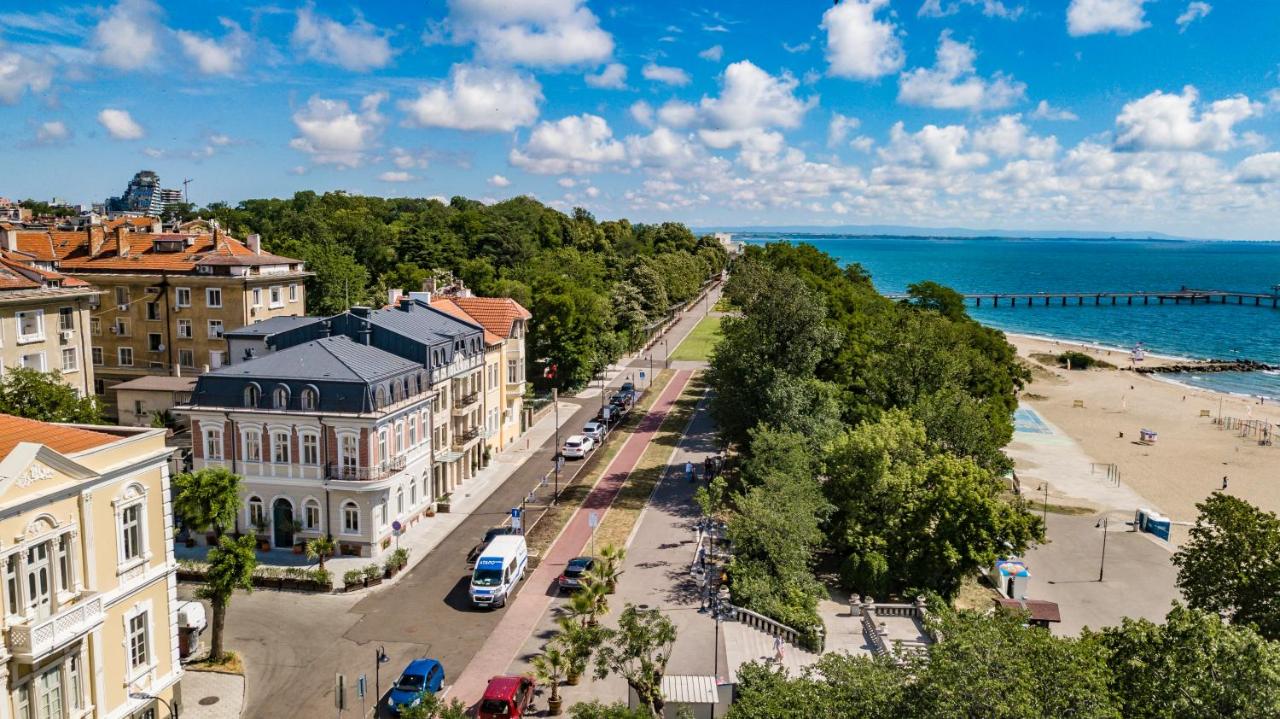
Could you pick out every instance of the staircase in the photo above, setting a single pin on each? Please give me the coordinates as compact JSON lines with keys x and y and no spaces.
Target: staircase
{"x":744,"y":644}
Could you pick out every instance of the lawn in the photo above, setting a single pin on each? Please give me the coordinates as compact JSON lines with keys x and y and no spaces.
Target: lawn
{"x":697,"y":346}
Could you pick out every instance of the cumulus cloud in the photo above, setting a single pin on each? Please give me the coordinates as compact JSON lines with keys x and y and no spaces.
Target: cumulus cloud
{"x":498,"y":181}
{"x":120,"y":124}
{"x":1090,"y":17}
{"x":334,"y":134}
{"x":662,"y":148}
{"x":1008,"y":137}
{"x":751,"y":98}
{"x":1194,"y":11}
{"x":713,"y":53}
{"x":544,"y":33}
{"x":613,"y":76}
{"x":933,"y":147}
{"x":52,"y":132}
{"x":475,"y":98}
{"x":859,"y":46}
{"x":990,"y":8}
{"x":214,"y":57}
{"x":839,"y":128}
{"x":675,"y":113}
{"x":128,"y":36}
{"x":665,"y":74}
{"x":642,"y":112}
{"x":1263,"y":168}
{"x":358,"y":47}
{"x":1164,"y":121}
{"x":20,"y":73}
{"x":577,"y":143}
{"x":952,"y":83}
{"x":396,"y":176}
{"x":1045,"y":111}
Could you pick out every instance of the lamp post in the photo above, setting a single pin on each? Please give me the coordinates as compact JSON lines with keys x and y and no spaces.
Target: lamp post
{"x":173,"y":713}
{"x":666,"y":349}
{"x":555,"y":457}
{"x":380,"y":657}
{"x":1044,"y":510}
{"x":1103,"y":523}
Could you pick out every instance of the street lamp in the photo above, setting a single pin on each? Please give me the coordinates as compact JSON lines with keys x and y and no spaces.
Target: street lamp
{"x":1103,"y":523}
{"x":555,"y":457}
{"x":1044,"y":511}
{"x":380,"y":657}
{"x":143,"y":696}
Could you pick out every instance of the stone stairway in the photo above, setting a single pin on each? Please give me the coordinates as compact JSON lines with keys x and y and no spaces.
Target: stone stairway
{"x":744,"y":644}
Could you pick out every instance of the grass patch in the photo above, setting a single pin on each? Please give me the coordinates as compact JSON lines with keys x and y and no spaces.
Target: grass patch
{"x":1071,"y":511}
{"x":723,"y":305}
{"x":697,"y":345}
{"x":231,"y":664}
{"x":634,"y":495}
{"x":975,"y":594}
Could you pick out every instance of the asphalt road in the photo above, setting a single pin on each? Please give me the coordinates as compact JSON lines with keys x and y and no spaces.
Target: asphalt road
{"x":294,"y":644}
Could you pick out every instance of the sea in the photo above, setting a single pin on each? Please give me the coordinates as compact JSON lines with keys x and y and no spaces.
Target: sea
{"x":1006,"y":265}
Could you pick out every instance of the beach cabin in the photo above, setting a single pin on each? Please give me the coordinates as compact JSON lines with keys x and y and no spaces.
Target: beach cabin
{"x":1152,"y":522}
{"x":699,"y":694}
{"x":1147,"y":436}
{"x":1010,"y":577}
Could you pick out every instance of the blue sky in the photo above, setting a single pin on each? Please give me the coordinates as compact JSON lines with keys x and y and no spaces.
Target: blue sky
{"x":1069,"y":114}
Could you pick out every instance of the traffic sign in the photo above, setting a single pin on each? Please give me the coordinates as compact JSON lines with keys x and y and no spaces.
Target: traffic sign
{"x":593,"y":520}
{"x":515,"y":518}
{"x":396,"y":526}
{"x":641,"y":374}
{"x":362,"y":686}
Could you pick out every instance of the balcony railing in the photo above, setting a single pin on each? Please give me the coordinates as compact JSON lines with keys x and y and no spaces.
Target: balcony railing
{"x":361,"y":474}
{"x":461,"y":439}
{"x":34,"y":640}
{"x":465,"y":403}
{"x":515,"y":388}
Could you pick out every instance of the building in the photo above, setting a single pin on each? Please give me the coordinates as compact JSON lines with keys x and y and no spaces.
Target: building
{"x":89,"y":576}
{"x":142,"y":399}
{"x":44,"y":318}
{"x":167,"y":296}
{"x":144,"y":196}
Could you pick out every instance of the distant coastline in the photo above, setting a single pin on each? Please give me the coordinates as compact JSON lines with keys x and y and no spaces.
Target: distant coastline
{"x":905,"y":232}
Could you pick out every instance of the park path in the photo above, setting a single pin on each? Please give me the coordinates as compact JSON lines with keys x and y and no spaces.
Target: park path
{"x":521,"y":616}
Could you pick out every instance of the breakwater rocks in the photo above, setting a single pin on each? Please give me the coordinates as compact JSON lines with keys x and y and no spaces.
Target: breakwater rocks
{"x":1209,"y":366}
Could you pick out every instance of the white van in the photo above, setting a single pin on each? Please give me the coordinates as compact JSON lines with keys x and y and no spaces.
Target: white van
{"x":498,"y":568}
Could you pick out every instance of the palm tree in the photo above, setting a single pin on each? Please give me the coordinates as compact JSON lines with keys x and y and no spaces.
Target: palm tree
{"x":321,"y":548}
{"x":578,"y":642}
{"x":207,"y":498}
{"x":584,"y":605}
{"x":608,"y":568}
{"x":549,"y":667}
{"x":231,"y":566}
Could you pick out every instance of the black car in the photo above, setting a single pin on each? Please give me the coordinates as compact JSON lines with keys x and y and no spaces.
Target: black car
{"x":488,"y":537}
{"x":571,"y":578}
{"x":629,"y":387}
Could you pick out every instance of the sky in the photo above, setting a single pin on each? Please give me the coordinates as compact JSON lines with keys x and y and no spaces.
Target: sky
{"x":1103,"y":115}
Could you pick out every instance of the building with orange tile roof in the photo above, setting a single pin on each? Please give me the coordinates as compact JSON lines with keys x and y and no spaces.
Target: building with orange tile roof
{"x":89,"y":588}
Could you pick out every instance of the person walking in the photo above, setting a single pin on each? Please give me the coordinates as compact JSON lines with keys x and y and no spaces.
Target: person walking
{"x":1224,"y":483}
{"x":777,"y":650}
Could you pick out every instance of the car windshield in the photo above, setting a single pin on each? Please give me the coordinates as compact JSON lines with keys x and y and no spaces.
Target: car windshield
{"x":487,"y":577}
{"x":411,"y":682}
{"x":494,"y":707}
{"x":572,"y":443}
{"x":576,"y":567}
{"x":496,"y":531}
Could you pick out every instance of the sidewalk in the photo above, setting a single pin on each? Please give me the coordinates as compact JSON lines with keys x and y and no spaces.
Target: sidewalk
{"x":523,"y":614}
{"x":212,"y":695}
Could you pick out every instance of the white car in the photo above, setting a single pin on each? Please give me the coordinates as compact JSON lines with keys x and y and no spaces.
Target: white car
{"x":594,"y":430}
{"x":577,"y":446}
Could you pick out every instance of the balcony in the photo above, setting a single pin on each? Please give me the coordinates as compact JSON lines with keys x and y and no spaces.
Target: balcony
{"x":515,"y":389}
{"x":462,"y":439}
{"x":465,"y":403}
{"x":365,"y":474}
{"x":33,"y":640}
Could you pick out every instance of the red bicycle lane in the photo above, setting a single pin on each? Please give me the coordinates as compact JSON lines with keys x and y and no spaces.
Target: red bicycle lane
{"x":523,"y":613}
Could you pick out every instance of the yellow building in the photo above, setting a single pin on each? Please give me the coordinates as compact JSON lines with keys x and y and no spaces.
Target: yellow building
{"x":89,"y":575}
{"x":44,"y":319}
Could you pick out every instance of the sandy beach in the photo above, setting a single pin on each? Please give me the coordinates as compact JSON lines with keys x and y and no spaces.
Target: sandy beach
{"x":1184,"y":465}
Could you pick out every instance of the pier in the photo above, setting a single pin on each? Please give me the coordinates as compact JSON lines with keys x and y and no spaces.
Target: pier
{"x":1185,"y":295}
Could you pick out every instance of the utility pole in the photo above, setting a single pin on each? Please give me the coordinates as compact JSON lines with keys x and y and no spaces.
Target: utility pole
{"x":380,"y":657}
{"x":1044,"y":511}
{"x":555,"y":458}
{"x":1101,"y":567}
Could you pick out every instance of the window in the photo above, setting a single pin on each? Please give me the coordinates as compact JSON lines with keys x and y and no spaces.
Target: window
{"x":213,"y":296}
{"x":311,"y":515}
{"x":277,"y":297}
{"x":186,"y":358}
{"x":257,"y":512}
{"x":280,"y":398}
{"x":153,"y":310}
{"x":293,"y":293}
{"x":99,"y":386}
{"x":382,"y":445}
{"x":48,"y":693}
{"x":413,"y":430}
{"x":380,"y":398}
{"x":139,"y":408}
{"x":39,"y":588}
{"x":66,"y":318}
{"x":280,"y":447}
{"x":69,"y":361}
{"x":30,"y":326}
{"x":184,"y":329}
{"x":413,"y":494}
{"x":511,"y":371}
{"x":33,"y":360}
{"x":382,"y":514}
{"x":215,"y":329}
{"x":213,"y":443}
{"x":183,"y":296}
{"x":252,"y":445}
{"x":155,"y":341}
{"x":95,"y":326}
{"x":64,"y":563}
{"x":349,"y":453}
{"x":122,"y":296}
{"x":309,"y":398}
{"x":257,"y":296}
{"x":399,"y":501}
{"x":215,"y":358}
{"x":350,"y":518}
{"x":310,"y":449}
{"x":252,"y":395}
{"x":76,"y":680}
{"x":124,"y":356}
{"x":399,"y":438}
{"x":131,"y":532}
{"x":11,"y":586}
{"x":138,"y":641}
{"x":121,"y":327}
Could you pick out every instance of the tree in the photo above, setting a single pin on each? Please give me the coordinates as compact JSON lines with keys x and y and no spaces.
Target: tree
{"x":598,"y":710}
{"x":839,"y":685}
{"x":321,"y":548}
{"x":938,"y":298}
{"x":1192,"y":666}
{"x":549,"y":667}
{"x":431,"y":706}
{"x":638,"y":651}
{"x":43,"y":396}
{"x":1231,"y":563}
{"x":207,"y":498}
{"x":231,"y":566}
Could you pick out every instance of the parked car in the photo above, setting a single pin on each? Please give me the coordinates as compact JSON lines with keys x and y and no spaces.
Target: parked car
{"x":629,"y":387}
{"x":594,"y":430}
{"x":499,"y":569}
{"x":622,"y":400}
{"x":421,"y":677}
{"x":488,"y":537}
{"x":506,"y":697}
{"x":577,"y":446}
{"x":571,"y":578}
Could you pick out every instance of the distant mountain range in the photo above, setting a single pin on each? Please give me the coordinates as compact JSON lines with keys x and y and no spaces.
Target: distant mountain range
{"x":909,"y":231}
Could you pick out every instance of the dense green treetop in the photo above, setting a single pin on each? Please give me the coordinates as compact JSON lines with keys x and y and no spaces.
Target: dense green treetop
{"x":44,"y":396}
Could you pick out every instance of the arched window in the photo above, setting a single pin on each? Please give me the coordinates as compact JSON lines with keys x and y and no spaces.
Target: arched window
{"x":280,"y":397}
{"x":380,"y":397}
{"x":311,"y":515}
{"x":252,"y":395}
{"x":350,"y":518}
{"x":400,"y":501}
{"x":310,"y":398}
{"x":413,"y":493}
{"x":257,"y":512}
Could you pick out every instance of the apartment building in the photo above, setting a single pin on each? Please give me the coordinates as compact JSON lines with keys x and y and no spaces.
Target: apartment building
{"x":44,"y":319}
{"x":89,"y":576}
{"x":167,"y":297}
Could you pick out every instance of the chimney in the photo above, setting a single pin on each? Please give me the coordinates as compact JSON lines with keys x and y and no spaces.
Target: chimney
{"x":10,"y":239}
{"x":157,"y":226}
{"x":255,"y":243}
{"x":97,"y":238}
{"x":393,"y":296}
{"x":325,"y":328}
{"x":360,"y":310}
{"x":406,"y":303}
{"x":366,"y":332}
{"x":122,"y":243}
{"x":429,"y":285}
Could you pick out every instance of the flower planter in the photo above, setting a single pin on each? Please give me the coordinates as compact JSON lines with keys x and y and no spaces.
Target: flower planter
{"x":554,"y":706}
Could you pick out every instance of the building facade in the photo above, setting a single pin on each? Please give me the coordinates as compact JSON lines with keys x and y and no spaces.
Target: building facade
{"x":89,"y":589}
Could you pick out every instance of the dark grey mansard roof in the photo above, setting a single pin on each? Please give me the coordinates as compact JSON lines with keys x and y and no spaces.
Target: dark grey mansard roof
{"x":275,"y":325}
{"x":334,"y":359}
{"x":423,"y":324}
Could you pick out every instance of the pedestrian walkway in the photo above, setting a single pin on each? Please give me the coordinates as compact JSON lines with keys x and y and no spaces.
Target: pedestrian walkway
{"x":212,"y":695}
{"x":530,"y":605}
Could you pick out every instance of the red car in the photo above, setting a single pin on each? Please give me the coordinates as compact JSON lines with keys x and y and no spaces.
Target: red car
{"x":506,"y":698}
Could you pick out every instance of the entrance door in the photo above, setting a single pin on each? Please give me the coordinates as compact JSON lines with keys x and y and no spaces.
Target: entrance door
{"x":282,"y":520}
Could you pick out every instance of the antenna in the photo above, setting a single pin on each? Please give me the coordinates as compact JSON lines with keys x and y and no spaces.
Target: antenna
{"x":185,"y":199}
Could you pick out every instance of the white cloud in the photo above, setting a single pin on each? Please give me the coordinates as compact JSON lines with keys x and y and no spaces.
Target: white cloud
{"x":752,"y":98}
{"x":544,"y":33}
{"x":120,"y":124}
{"x":642,"y":112}
{"x":567,"y":182}
{"x":675,"y":113}
{"x":839,"y":128}
{"x":1045,"y":111}
{"x":476,"y":98}
{"x":213,"y":57}
{"x":1259,"y":169}
{"x":577,"y":143}
{"x":933,"y":147}
{"x":52,"y":132}
{"x":498,"y":181}
{"x":990,"y":8}
{"x":858,"y":45}
{"x":952,"y":84}
{"x":862,"y":143}
{"x":128,"y":36}
{"x":1195,"y":11}
{"x":396,"y":176}
{"x":665,"y":74}
{"x":592,"y":192}
{"x":1090,"y":17}
{"x":713,"y":53}
{"x":662,"y":148}
{"x":359,"y":47}
{"x":613,"y":76}
{"x":408,"y":159}
{"x":797,"y":48}
{"x":1008,"y":137}
{"x":1163,"y":121}
{"x":334,"y":134}
{"x":20,"y":73}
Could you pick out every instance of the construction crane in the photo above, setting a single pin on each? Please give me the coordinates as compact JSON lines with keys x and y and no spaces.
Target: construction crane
{"x":185,"y":199}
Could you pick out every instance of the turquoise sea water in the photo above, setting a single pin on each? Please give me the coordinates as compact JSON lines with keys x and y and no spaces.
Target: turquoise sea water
{"x":1039,"y":265}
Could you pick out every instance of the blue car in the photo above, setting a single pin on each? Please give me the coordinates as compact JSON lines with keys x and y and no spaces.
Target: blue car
{"x":421,"y":677}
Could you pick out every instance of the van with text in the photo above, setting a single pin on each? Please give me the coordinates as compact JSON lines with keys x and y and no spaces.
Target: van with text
{"x":500,"y":566}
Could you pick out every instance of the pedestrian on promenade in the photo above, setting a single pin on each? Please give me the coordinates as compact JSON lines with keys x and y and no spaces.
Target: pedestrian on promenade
{"x":1224,"y":483}
{"x":777,"y":650}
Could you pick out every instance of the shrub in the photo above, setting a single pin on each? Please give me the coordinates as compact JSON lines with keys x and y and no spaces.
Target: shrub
{"x":372,"y":572}
{"x":352,"y":577}
{"x":1080,"y":360}
{"x":323,"y":577}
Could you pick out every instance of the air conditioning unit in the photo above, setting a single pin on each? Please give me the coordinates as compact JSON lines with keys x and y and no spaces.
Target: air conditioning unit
{"x":160,"y":347}
{"x":115,"y":330}
{"x":66,"y":335}
{"x":123,"y":308}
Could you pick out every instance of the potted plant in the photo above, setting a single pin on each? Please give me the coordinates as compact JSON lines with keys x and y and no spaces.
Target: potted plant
{"x":321,"y":579}
{"x":430,"y":511}
{"x":320,"y":549}
{"x":577,"y":642}
{"x":549,"y":667}
{"x":583,"y":606}
{"x":264,"y":540}
{"x":372,"y":575}
{"x":442,"y":505}
{"x":608,"y":567}
{"x":352,"y":579}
